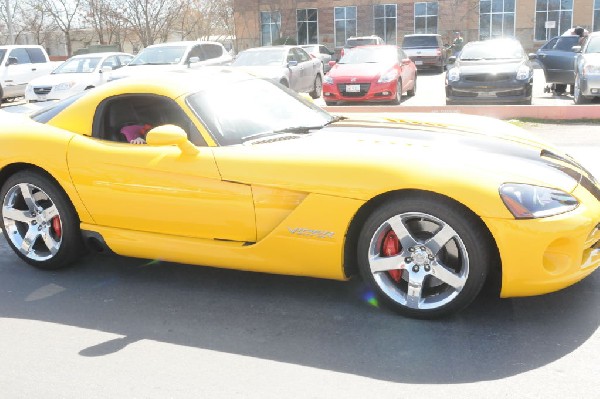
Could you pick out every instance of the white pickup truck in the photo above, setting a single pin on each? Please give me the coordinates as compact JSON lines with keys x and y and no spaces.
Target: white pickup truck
{"x":19,"y":64}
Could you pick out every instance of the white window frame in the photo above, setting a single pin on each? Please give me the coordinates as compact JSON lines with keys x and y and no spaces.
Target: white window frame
{"x":491,"y":15}
{"x":385,"y":20}
{"x":307,"y":22}
{"x":596,"y":13}
{"x":270,"y":24}
{"x":346,"y":35}
{"x":549,"y":33}
{"x":426,"y":16}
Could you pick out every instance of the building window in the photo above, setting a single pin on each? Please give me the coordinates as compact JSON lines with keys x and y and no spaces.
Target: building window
{"x":556,"y":12}
{"x":596,"y":24}
{"x":384,"y":20}
{"x":426,"y":17}
{"x":306,"y":22}
{"x":497,"y":18}
{"x":345,"y":24}
{"x":270,"y":25}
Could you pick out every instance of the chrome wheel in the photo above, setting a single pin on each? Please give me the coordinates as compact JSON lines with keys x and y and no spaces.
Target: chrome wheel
{"x":418,"y":260}
{"x":32,"y":222}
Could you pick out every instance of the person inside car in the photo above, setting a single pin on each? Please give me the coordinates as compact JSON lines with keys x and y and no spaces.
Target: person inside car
{"x":136,"y":134}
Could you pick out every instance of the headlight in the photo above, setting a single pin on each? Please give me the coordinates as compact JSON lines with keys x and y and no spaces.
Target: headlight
{"x":328,"y":79}
{"x":591,"y":70}
{"x":523,"y":73}
{"x":453,"y":75}
{"x":64,"y":86}
{"x":525,"y":201}
{"x":388,"y":77}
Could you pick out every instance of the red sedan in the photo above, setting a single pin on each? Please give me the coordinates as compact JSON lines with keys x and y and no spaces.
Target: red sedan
{"x":371,"y":73}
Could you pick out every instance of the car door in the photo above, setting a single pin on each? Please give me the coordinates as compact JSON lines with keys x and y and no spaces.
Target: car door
{"x":19,"y":74}
{"x":557,"y":58}
{"x":308,"y":70}
{"x":294,"y":71}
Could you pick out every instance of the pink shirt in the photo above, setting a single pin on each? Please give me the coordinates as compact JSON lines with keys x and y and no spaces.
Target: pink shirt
{"x":132,"y":132}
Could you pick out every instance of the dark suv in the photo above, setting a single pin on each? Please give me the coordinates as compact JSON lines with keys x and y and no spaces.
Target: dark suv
{"x":426,"y":50}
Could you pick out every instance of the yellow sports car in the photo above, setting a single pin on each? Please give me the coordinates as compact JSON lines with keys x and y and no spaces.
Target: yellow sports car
{"x":239,"y":172}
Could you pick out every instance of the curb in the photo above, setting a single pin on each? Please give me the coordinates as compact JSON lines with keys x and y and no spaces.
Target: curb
{"x":549,"y":112}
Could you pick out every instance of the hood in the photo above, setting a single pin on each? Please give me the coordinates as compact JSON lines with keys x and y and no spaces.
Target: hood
{"x":365,"y":71}
{"x":269,"y":72}
{"x":55,"y":79}
{"x":365,"y":156}
{"x":488,"y":66}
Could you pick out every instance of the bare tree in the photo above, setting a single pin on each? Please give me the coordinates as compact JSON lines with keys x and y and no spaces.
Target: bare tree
{"x":151,"y":20}
{"x":35,"y":22}
{"x":65,"y":14}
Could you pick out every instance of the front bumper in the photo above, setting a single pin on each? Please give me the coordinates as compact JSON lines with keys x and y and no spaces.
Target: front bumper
{"x":590,"y":85}
{"x":488,"y":92}
{"x":545,"y":255}
{"x":367,"y":91}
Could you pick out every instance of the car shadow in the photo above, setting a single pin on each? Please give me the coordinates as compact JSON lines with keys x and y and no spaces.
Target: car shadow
{"x":322,"y":324}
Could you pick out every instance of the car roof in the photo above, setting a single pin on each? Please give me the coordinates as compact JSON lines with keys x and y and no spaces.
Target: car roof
{"x":423,"y":34}
{"x":183,"y":43}
{"x":100,"y":54}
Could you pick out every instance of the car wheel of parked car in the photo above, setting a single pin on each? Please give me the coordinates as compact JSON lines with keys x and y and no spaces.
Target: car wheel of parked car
{"x":398,"y":98}
{"x":39,"y":221}
{"x":413,"y":91}
{"x":317,"y":88}
{"x":578,"y":98}
{"x":423,"y":256}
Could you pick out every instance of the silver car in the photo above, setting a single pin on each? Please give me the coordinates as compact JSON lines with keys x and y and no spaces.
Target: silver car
{"x":587,"y":70}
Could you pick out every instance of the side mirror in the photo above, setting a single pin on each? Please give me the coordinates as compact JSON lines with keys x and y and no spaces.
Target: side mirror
{"x":576,"y":49}
{"x":193,"y":60}
{"x":106,"y":69}
{"x":12,"y":61}
{"x":171,"y":135}
{"x":331,"y":63}
{"x":452,"y":59}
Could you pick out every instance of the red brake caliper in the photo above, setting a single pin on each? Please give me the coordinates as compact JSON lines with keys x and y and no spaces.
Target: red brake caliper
{"x":391,"y":247}
{"x":56,"y":226}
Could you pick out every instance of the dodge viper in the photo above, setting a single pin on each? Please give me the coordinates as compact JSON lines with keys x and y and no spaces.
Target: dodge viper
{"x":240,"y":172}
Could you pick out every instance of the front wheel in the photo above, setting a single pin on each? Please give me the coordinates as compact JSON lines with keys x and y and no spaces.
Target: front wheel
{"x":424,"y":257}
{"x":39,"y":222}
{"x":317,"y":88}
{"x":413,"y":91}
{"x":398,"y":99}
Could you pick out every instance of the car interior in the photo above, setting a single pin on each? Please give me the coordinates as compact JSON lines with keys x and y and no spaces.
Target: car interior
{"x":136,"y":109}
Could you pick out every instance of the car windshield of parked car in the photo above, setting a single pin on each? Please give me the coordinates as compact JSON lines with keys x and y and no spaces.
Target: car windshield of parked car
{"x":78,"y":65}
{"x":360,"y":42}
{"x":274,"y":56}
{"x":259,"y":108}
{"x":491,"y":51}
{"x":593,"y":45}
{"x":419,"y":42}
{"x":370,"y":54}
{"x":163,"y":55}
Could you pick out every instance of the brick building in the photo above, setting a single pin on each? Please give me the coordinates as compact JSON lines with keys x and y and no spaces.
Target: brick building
{"x":265,"y":22}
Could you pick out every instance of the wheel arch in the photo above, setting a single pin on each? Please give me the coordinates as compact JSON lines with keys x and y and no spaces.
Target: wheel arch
{"x":493,"y":283}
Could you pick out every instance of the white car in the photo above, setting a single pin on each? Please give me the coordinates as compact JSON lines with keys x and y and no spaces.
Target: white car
{"x":78,"y":73}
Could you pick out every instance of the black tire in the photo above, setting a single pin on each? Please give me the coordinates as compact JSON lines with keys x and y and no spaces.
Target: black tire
{"x":30,"y":199}
{"x":425,"y":279}
{"x":578,"y":98}
{"x":398,"y":99}
{"x":413,"y":91}
{"x":317,"y":88}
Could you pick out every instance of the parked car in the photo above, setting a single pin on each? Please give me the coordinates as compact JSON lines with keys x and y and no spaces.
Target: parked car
{"x":557,"y":59}
{"x":426,"y":51}
{"x":371,"y":73}
{"x":240,"y":173}
{"x":289,"y":65}
{"x":19,"y":65}
{"x":173,"y":56}
{"x":587,"y":70}
{"x":490,"y":71}
{"x":356,"y":41}
{"x":78,"y":73}
{"x":321,"y":52}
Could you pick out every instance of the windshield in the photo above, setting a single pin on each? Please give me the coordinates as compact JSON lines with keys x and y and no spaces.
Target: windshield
{"x":419,"y":42}
{"x":360,"y":42}
{"x":260,"y":107}
{"x":593,"y":45}
{"x":492,"y":51}
{"x":162,"y":55}
{"x":78,"y":65}
{"x":371,"y":54}
{"x":274,"y":56}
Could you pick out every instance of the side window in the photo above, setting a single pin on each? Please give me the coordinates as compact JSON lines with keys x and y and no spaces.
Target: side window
{"x":196,"y":51}
{"x":550,"y":44}
{"x":111,"y":62}
{"x":290,"y":56}
{"x":21,"y":55}
{"x":301,"y":55}
{"x":212,"y":50}
{"x":36,"y":55}
{"x":565,"y":43}
{"x":124,"y":60}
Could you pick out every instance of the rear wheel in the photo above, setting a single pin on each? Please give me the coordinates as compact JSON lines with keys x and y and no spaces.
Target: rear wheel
{"x":317,"y":88}
{"x":39,"y":221}
{"x":424,"y":257}
{"x":578,"y":98}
